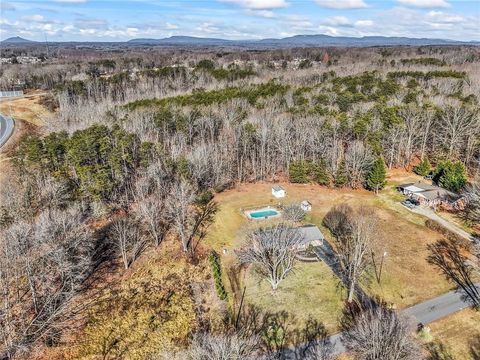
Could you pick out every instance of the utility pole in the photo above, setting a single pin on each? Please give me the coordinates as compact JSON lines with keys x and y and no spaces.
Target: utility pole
{"x":46,"y":44}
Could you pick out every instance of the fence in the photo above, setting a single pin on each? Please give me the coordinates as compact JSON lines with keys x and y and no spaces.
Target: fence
{"x":11,"y":93}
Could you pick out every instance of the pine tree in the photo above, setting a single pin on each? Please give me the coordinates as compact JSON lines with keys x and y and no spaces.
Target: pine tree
{"x":341,"y":177}
{"x":321,"y":174}
{"x":450,"y":175}
{"x":376,"y":176}
{"x":298,"y":172}
{"x":424,"y":168}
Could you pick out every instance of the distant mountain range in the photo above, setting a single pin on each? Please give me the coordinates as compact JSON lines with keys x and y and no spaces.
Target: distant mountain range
{"x":288,"y":42}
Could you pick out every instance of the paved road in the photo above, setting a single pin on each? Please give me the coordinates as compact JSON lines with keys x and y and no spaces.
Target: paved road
{"x":424,"y":312}
{"x":450,"y":226}
{"x":439,"y":307}
{"x":6,"y":129}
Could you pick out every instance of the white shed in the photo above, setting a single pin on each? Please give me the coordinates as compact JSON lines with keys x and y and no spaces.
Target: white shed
{"x":278,"y":191}
{"x":306,"y":205}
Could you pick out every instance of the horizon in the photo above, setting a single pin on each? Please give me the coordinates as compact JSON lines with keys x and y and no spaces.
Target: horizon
{"x":233,"y":40}
{"x":109,"y":21}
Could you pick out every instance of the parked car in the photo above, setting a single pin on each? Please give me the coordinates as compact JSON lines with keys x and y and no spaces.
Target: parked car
{"x":428,"y":177}
{"x":410,"y":203}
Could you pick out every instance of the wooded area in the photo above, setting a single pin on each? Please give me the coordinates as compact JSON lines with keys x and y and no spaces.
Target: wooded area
{"x":141,"y":142}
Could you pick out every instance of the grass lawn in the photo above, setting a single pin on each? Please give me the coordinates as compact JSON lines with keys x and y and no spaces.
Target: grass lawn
{"x":311,"y":291}
{"x":460,"y":332}
{"x":407,"y":277}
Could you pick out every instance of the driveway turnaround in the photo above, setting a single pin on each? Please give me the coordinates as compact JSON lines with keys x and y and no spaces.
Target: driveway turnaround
{"x":6,"y":129}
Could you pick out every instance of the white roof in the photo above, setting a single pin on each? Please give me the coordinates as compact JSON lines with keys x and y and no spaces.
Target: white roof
{"x":413,"y":188}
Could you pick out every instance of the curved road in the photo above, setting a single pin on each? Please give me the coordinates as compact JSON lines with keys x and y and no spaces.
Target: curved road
{"x":6,"y":128}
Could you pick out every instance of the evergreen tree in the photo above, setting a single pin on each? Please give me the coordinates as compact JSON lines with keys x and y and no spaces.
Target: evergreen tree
{"x":298,"y":172}
{"x":376,"y":175}
{"x":321,"y":174}
{"x":450,"y":175}
{"x":341,"y":177}
{"x":424,"y":168}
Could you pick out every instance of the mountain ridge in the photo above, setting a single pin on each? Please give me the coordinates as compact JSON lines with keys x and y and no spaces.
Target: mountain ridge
{"x":320,"y":40}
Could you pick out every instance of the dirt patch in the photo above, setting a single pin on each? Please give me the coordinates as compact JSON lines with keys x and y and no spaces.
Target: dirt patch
{"x":27,"y":109}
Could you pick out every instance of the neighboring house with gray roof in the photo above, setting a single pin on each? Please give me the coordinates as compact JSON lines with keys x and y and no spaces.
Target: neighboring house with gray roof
{"x":430,"y":195}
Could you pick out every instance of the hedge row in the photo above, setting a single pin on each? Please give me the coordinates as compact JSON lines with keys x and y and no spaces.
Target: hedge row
{"x":217,"y":275}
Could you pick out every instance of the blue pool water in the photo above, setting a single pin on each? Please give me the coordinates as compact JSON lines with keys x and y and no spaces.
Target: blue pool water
{"x":263,"y":213}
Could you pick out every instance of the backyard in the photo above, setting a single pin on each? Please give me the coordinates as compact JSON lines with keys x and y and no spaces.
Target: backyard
{"x":407,"y":278}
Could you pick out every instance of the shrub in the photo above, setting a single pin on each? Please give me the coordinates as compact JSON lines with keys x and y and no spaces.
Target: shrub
{"x":217,"y":275}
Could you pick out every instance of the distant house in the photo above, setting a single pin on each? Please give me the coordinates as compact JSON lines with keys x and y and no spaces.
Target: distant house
{"x":430,"y":195}
{"x":306,"y":205}
{"x":278,"y":191}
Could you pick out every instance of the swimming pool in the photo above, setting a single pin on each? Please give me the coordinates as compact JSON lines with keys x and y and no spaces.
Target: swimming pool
{"x":263,"y":213}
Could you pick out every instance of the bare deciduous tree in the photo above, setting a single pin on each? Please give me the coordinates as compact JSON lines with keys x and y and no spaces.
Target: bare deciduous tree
{"x":381,"y":334}
{"x":179,"y":210}
{"x":294,"y":212}
{"x":43,"y":266}
{"x":190,"y":214}
{"x":221,"y":347}
{"x":472,"y":206}
{"x":355,"y":233}
{"x":272,"y":251}
{"x":449,"y":257}
{"x":125,"y":233}
{"x":151,"y":211}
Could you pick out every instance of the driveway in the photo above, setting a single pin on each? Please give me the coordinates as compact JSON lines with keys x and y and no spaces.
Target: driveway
{"x":6,"y":129}
{"x":450,"y":226}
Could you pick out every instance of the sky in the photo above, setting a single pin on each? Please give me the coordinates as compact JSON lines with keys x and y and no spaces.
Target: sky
{"x":119,"y":20}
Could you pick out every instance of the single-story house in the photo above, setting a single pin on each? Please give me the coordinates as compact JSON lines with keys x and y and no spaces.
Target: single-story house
{"x":307,"y":234}
{"x":306,"y":205}
{"x":311,"y":235}
{"x":278,"y":191}
{"x":430,"y":195}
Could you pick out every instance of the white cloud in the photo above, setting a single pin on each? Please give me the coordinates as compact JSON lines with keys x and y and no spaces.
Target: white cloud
{"x":259,"y":4}
{"x":342,"y":4}
{"x":337,"y":21}
{"x":363,"y":23}
{"x":262,"y":13}
{"x":170,"y":26}
{"x":425,"y":3}
{"x":36,"y":18}
{"x":441,"y":17}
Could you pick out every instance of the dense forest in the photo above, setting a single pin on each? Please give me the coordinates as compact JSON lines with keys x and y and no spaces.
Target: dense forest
{"x":141,"y":142}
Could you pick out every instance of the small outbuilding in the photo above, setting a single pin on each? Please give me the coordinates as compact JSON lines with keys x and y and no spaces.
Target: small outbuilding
{"x":278,"y":191}
{"x":306,"y":205}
